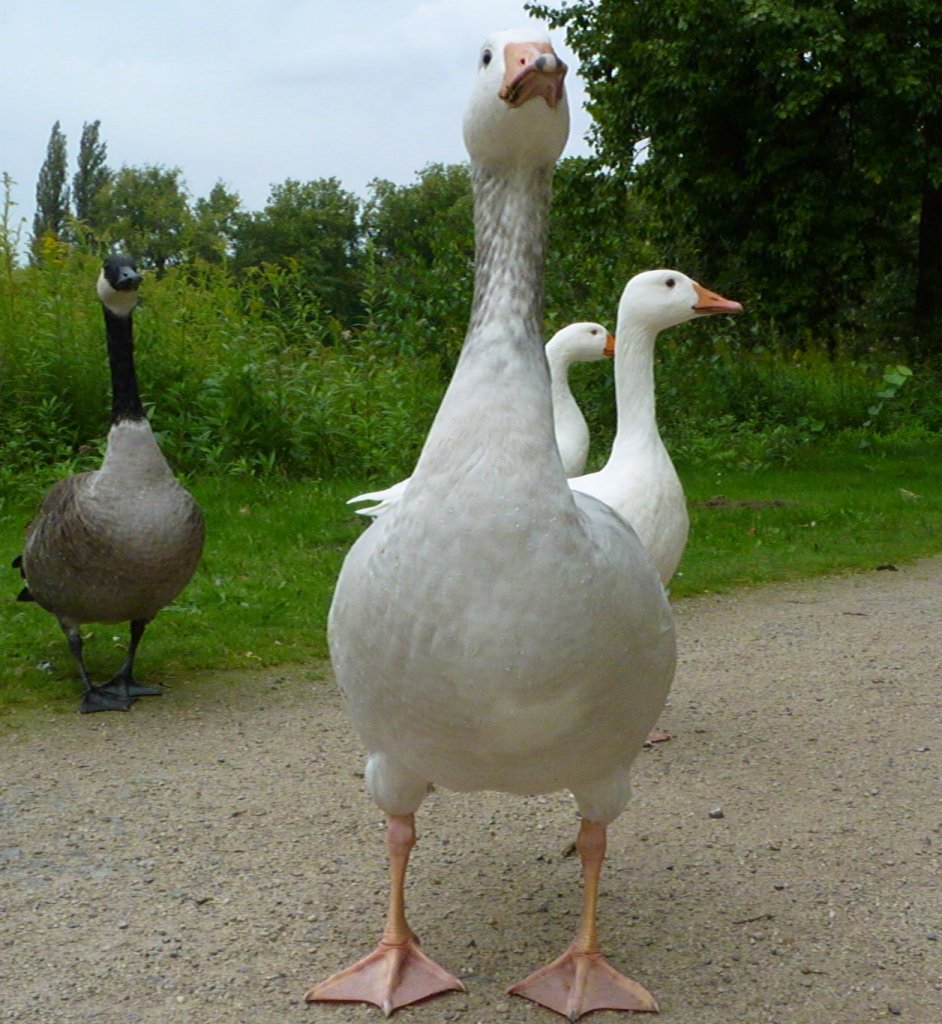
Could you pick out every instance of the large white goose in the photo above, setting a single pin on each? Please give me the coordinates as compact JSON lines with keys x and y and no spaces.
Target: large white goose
{"x":494,"y":629}
{"x":119,"y":543}
{"x":639,"y":480}
{"x":582,"y":342}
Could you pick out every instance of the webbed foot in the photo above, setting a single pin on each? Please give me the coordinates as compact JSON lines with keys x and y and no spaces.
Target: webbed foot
{"x":121,"y":684}
{"x":393,"y":975}
{"x":578,"y":983}
{"x":98,"y":698}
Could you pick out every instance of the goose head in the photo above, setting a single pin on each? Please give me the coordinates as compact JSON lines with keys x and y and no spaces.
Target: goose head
{"x":118,"y":284}
{"x":659,"y":299}
{"x":518,"y":110}
{"x":581,"y":343}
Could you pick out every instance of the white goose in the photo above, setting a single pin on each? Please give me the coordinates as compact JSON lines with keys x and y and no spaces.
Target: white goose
{"x":577,"y":343}
{"x":496,"y":630}
{"x":581,"y":342}
{"x":639,"y":480}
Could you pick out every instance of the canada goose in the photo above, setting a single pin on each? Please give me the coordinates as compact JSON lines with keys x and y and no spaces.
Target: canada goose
{"x":118,"y":543}
{"x":495,"y":629}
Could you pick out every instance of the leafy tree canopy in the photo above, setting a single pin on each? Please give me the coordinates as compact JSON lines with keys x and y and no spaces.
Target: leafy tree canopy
{"x":52,"y":193}
{"x":794,"y":143}
{"x":146,"y":213}
{"x":91,"y":176}
{"x":314,"y":225}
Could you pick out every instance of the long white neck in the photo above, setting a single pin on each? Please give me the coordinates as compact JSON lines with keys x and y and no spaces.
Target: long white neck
{"x":569,"y":425}
{"x":634,"y":389}
{"x":563,"y":402}
{"x":511,"y":210}
{"x":498,"y":403}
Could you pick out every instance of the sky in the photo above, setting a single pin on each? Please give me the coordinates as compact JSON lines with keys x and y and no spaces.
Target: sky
{"x":250,"y":92}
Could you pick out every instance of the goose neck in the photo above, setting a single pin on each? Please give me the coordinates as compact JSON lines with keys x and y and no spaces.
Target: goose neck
{"x":511,"y":211}
{"x":495,"y":423}
{"x":634,"y":385}
{"x":125,"y":396}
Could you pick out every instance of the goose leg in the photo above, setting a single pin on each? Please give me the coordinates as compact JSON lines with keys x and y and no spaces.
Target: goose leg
{"x":582,"y":980}
{"x":397,"y":972}
{"x":94,"y":698}
{"x":123,"y":680}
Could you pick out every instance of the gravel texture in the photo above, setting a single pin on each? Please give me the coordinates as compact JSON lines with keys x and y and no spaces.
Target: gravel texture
{"x":209,"y":855}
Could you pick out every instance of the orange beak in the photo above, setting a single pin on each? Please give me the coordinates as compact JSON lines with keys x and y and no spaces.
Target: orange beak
{"x":532,"y":69}
{"x":711,"y":302}
{"x":609,"y":349}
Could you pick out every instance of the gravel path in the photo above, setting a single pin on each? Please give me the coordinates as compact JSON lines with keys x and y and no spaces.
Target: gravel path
{"x":210,"y":855}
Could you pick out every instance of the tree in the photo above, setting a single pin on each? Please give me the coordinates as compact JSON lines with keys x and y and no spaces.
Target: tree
{"x":91,"y":176}
{"x":52,"y":193}
{"x":314,"y":226}
{"x":147,"y":213}
{"x":795,"y":144}
{"x":599,"y":237}
{"x":215,"y":222}
{"x":421,"y":271}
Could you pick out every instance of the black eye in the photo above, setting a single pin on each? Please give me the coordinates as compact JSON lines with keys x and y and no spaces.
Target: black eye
{"x":670,"y":282}
{"x":486,"y":57}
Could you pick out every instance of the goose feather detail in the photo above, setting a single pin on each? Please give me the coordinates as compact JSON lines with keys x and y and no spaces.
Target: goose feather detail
{"x":118,"y":543}
{"x":494,"y":629}
{"x":582,"y":342}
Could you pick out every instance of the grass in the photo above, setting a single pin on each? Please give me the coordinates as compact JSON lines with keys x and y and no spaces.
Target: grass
{"x":259,"y":598}
{"x":274,"y":547}
{"x":826,"y":513}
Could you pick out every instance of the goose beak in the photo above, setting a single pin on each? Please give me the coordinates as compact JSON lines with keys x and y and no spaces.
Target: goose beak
{"x":711,"y":302}
{"x":128,"y":279}
{"x":609,"y":349}
{"x":532,"y":69}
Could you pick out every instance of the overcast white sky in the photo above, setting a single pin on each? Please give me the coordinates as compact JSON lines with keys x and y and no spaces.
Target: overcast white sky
{"x":249,"y":92}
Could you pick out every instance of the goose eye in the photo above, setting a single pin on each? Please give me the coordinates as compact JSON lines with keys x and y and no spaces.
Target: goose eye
{"x":670,"y":282}
{"x":486,"y":57}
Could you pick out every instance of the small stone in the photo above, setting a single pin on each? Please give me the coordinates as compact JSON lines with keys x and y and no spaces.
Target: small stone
{"x":895,"y":1009}
{"x":717,"y":812}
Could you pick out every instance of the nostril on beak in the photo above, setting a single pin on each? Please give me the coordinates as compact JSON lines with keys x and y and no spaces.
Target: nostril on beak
{"x":545,"y":62}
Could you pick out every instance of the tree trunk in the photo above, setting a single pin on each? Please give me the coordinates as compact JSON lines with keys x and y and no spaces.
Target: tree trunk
{"x":928,"y":310}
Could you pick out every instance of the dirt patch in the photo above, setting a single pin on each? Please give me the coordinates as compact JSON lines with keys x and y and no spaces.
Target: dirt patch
{"x":208,"y":856}
{"x":756,"y":504}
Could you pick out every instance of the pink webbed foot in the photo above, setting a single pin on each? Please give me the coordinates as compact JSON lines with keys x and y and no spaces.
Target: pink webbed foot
{"x":656,"y":736}
{"x":393,"y":975}
{"x":578,"y":983}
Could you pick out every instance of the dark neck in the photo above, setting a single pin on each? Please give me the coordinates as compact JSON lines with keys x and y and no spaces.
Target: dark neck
{"x":125,"y":397}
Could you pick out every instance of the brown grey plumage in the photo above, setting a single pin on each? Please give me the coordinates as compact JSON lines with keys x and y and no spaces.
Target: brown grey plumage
{"x":118,"y":543}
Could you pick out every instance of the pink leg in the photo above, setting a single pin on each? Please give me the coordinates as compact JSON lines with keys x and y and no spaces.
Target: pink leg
{"x":582,"y":980}
{"x":397,"y":972}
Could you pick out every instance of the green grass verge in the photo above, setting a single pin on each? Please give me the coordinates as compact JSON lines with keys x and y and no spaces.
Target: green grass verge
{"x":259,"y":598}
{"x":824,"y":514}
{"x":261,"y":594}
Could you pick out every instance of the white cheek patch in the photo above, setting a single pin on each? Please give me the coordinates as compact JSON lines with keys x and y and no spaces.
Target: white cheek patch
{"x":121,"y":303}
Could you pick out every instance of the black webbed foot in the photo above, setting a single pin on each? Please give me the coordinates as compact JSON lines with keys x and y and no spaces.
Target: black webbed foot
{"x":121,"y":684}
{"x":98,"y":698}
